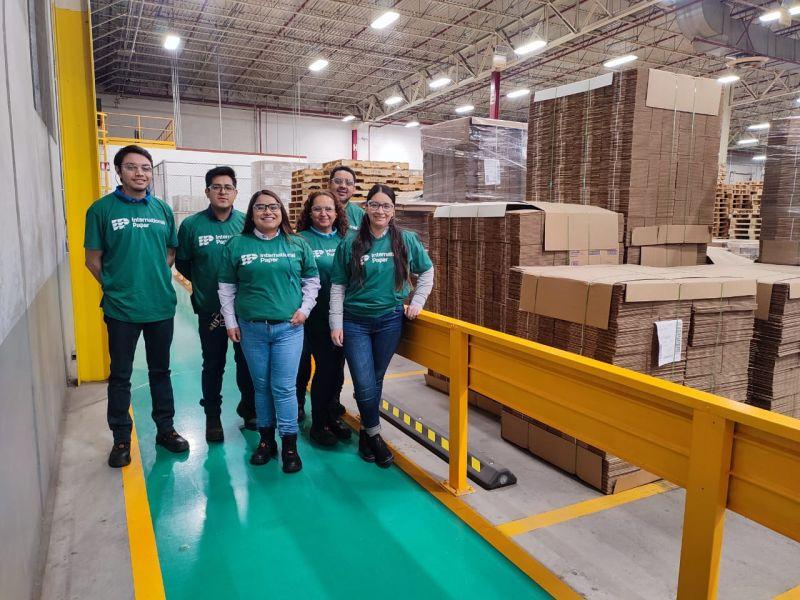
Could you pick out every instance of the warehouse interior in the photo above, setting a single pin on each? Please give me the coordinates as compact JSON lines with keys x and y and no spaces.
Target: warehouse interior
{"x":601,"y":398}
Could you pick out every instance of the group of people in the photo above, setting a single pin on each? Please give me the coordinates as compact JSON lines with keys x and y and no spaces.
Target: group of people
{"x":333,"y":288}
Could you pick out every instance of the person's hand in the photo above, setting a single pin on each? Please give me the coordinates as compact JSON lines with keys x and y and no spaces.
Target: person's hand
{"x":412,"y":311}
{"x":337,"y":337}
{"x":234,"y":335}
{"x":298,"y":318}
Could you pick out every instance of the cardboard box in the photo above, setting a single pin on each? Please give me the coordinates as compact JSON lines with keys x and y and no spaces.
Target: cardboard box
{"x":555,"y":448}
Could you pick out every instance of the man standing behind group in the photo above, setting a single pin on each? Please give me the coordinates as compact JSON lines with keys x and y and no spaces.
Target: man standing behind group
{"x":130,"y":246}
{"x":201,"y":239}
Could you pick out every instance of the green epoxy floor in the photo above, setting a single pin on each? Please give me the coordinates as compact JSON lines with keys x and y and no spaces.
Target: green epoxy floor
{"x":341,"y":528}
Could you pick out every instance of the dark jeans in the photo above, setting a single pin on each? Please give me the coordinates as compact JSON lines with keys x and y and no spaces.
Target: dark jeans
{"x":303,"y":374}
{"x":122,"y":339}
{"x":328,"y":376}
{"x":214,"y":344}
{"x":369,"y":344}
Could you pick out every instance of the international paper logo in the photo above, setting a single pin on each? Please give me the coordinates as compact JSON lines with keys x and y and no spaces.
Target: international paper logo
{"x":205,"y":240}
{"x":117,"y":224}
{"x":248,"y":258}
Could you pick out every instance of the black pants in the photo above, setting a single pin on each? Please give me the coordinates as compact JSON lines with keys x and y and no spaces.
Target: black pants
{"x":303,"y":374}
{"x":122,"y":340}
{"x":214,"y":345}
{"x":328,"y":376}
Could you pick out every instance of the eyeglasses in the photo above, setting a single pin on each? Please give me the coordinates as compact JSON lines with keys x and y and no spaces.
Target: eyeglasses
{"x":376,"y":206}
{"x":321,"y":209}
{"x":273,"y":208}
{"x":340,"y":181}
{"x":132,"y":168}
{"x":217,"y":187}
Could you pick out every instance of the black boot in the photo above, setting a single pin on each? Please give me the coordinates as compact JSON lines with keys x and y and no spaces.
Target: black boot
{"x":214,"y":431}
{"x":289,"y":456}
{"x":340,"y":429}
{"x":172,"y":441}
{"x":364,"y":449}
{"x":323,"y":435}
{"x":383,"y":456}
{"x":120,"y":455}
{"x":267,"y":447}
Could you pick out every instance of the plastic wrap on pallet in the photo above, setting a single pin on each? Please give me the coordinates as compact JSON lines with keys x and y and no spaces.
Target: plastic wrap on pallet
{"x":472,"y":159}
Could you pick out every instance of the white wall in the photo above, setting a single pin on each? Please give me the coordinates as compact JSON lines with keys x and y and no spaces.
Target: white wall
{"x":317,"y":139}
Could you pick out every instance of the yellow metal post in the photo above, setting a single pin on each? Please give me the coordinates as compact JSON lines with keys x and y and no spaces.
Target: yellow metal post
{"x":706,"y":499}
{"x":81,"y":174}
{"x":459,"y":388}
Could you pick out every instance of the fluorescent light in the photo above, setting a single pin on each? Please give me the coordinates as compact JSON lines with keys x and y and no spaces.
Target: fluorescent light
{"x":760,"y":157}
{"x":531,"y":46}
{"x":747,"y":142}
{"x":798,"y":100}
{"x":518,"y":93}
{"x":385,"y":20}
{"x":770,"y":16}
{"x":435,"y":84}
{"x":465,"y":109}
{"x":729,"y":78}
{"x":318,"y":65}
{"x":412,"y":124}
{"x":171,"y":42}
{"x":349,"y":118}
{"x":795,"y":10}
{"x":758,"y":127}
{"x":393,"y":100}
{"x":620,"y":60}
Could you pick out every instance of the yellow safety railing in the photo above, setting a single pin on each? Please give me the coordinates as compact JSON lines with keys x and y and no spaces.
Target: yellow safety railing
{"x":123,"y":129}
{"x":102,"y":141}
{"x":725,"y":453}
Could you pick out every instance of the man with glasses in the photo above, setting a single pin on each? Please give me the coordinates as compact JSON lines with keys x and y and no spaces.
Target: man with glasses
{"x":130,"y":246}
{"x":201,"y":239}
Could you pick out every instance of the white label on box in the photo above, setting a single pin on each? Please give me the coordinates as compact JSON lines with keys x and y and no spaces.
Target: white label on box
{"x":491,"y":171}
{"x":669,"y":341}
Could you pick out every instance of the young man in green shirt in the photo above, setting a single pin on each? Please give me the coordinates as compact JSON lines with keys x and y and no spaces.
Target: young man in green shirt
{"x":130,"y":246}
{"x":201,"y":239}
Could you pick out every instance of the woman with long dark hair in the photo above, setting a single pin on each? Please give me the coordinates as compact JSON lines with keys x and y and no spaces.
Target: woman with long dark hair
{"x":371,"y":278}
{"x":323,"y":224}
{"x":269,"y":280}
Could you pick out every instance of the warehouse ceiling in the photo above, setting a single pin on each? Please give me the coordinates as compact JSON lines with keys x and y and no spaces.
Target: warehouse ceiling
{"x":257,"y":53}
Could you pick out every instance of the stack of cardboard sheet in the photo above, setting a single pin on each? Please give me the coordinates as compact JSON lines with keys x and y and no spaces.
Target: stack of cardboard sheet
{"x":275,"y":176}
{"x":414,"y":213}
{"x":642,"y":142}
{"x":472,"y":159}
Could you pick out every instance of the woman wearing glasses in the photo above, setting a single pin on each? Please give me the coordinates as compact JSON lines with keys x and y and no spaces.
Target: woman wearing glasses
{"x":371,"y":278}
{"x":269,"y":279}
{"x":323,"y":224}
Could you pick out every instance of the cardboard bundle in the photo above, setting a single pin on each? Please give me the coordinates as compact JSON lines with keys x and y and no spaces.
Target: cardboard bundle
{"x":413,"y":213}
{"x":472,"y":159}
{"x":276,"y":176}
{"x":642,"y":142}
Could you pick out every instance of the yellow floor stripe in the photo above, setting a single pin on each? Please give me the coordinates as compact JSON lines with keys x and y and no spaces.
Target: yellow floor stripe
{"x":543,"y":576}
{"x":147,"y":581}
{"x":792,"y":594}
{"x":580,"y":509}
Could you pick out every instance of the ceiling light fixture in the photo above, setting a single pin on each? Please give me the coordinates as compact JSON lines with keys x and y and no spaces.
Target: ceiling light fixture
{"x":439,"y":82}
{"x":760,"y":157}
{"x":393,"y":100}
{"x":531,"y":46}
{"x":385,"y":20}
{"x":412,"y":124}
{"x":747,"y":142}
{"x":758,"y":127}
{"x":318,"y":65}
{"x":172,"y":41}
{"x":795,"y":10}
{"x":349,"y":118}
{"x":518,"y":93}
{"x":771,"y":16}
{"x":465,"y":109}
{"x":728,"y":78}
{"x":619,"y":61}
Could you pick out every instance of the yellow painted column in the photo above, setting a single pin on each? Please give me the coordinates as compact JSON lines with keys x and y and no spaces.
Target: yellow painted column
{"x":706,"y":499}
{"x":81,"y":175}
{"x":459,"y":388}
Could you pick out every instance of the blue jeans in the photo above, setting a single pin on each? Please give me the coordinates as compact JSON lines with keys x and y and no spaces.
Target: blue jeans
{"x":273,"y":353}
{"x":369,"y":344}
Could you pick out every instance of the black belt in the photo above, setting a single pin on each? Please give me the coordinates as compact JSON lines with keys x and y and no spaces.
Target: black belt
{"x":275,"y":321}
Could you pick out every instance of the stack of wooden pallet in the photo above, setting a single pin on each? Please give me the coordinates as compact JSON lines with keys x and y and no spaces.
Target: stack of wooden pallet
{"x":745,"y":224}
{"x":737,"y":210}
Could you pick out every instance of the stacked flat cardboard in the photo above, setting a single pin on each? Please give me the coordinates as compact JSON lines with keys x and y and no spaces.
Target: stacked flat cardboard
{"x":276,"y":176}
{"x":642,"y":142}
{"x":780,"y":225}
{"x":473,"y":159}
{"x":414,"y":213}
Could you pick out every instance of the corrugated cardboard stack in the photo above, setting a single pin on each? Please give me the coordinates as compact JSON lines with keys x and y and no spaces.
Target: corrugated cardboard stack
{"x":643,"y":142}
{"x":276,"y":176}
{"x":472,"y":159}
{"x":414,"y":213}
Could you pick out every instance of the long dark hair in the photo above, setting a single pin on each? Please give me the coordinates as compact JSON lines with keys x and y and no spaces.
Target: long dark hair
{"x":250,"y":225}
{"x":304,"y":220}
{"x":363,"y":243}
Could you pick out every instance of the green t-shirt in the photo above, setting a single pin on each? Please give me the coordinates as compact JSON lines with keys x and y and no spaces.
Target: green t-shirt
{"x":376,"y":295}
{"x":201,"y":239}
{"x":355,"y":214}
{"x":324,"y":249}
{"x":268,"y":273}
{"x":134,"y":236}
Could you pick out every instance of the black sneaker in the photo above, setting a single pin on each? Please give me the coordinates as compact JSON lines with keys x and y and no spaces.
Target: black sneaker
{"x":364,"y":449}
{"x":267,"y":447}
{"x":214,"y":432}
{"x":289,"y":456}
{"x":172,"y":441}
{"x":340,"y":429}
{"x":248,"y":417}
{"x":120,"y":455}
{"x":383,"y":456}
{"x":323,"y":436}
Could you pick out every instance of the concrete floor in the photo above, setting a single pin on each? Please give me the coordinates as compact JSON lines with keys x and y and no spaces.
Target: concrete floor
{"x":630,"y":551}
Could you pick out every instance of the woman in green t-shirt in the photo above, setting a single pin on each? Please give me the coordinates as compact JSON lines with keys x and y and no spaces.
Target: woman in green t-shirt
{"x":371,"y":278}
{"x":323,"y":224}
{"x":268,"y":284}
